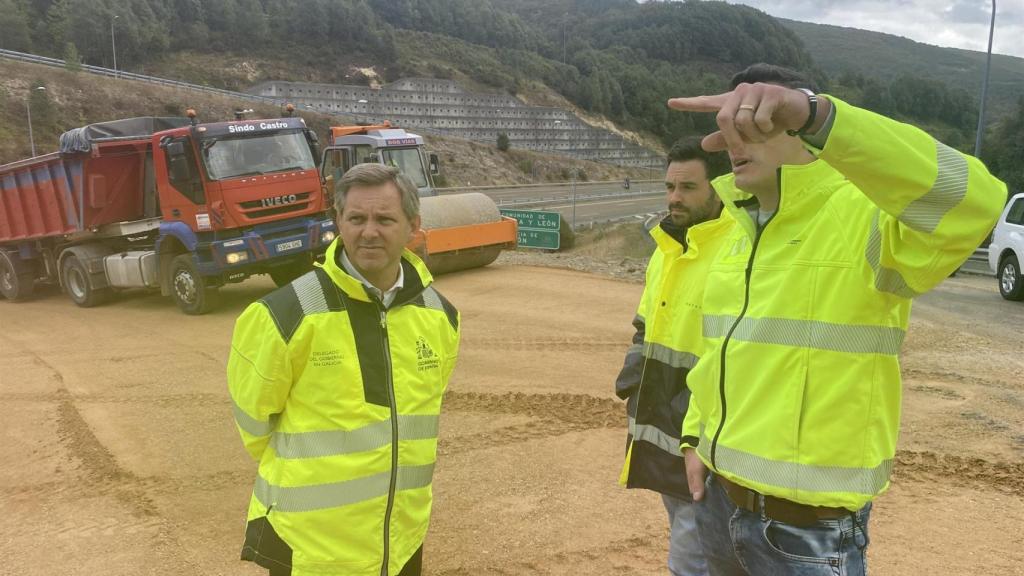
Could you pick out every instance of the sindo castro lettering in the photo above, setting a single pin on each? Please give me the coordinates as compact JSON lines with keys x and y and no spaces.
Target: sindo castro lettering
{"x":235,"y":128}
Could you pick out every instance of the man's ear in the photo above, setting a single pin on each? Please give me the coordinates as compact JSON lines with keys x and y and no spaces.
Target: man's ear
{"x":415,"y":222}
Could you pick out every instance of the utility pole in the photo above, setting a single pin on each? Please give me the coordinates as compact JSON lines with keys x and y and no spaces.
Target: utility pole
{"x":984,"y":85}
{"x":573,"y":199}
{"x":28,"y":112}
{"x":113,"y":46}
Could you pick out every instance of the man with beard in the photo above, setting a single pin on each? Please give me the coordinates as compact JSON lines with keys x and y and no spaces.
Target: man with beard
{"x":667,"y":343}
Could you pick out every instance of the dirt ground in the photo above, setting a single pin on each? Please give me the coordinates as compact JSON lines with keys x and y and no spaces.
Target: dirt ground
{"x":118,"y":453}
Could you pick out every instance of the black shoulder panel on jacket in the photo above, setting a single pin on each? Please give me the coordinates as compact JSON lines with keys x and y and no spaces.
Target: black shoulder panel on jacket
{"x":431,"y":298}
{"x":311,"y":293}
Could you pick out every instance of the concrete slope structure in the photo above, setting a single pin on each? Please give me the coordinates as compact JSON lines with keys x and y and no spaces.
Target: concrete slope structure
{"x":443,"y":107}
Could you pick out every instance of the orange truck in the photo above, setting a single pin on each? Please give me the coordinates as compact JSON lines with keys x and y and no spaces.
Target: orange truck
{"x":458,"y":231}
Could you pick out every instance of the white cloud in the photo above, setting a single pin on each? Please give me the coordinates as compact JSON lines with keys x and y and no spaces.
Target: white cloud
{"x":955,"y":23}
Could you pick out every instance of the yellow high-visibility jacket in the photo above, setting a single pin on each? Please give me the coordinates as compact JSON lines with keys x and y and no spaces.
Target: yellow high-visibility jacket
{"x":338,"y":399}
{"x":666,"y":345}
{"x":798,"y":392}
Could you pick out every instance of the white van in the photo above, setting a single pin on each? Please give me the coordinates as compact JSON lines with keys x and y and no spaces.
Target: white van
{"x":1006,"y":253}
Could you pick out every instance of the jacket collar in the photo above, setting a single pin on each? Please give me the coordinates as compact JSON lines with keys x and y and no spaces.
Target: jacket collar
{"x":417,"y":277}
{"x":798,"y":184}
{"x":668,"y":242}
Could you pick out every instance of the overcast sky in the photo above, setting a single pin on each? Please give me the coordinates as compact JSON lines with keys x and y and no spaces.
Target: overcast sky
{"x":955,"y":23}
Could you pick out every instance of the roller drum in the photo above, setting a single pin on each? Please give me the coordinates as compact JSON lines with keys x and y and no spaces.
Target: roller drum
{"x":454,"y":210}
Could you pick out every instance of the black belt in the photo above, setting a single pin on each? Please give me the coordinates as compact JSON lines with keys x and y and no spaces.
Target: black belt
{"x":779,"y":508}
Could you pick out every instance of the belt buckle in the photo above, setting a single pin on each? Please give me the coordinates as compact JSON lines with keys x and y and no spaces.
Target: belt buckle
{"x":751,"y":499}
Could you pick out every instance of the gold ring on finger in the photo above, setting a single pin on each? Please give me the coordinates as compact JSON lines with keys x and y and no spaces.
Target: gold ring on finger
{"x":750,"y":107}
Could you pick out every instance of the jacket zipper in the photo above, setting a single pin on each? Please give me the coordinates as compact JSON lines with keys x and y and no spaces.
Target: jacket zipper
{"x":746,"y":303}
{"x":394,"y":441}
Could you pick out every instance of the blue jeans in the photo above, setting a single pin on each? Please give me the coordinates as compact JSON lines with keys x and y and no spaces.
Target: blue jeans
{"x":738,"y":542}
{"x":685,"y":554}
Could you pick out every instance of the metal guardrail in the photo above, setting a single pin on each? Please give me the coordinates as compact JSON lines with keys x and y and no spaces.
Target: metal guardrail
{"x":118,"y":74}
{"x":455,"y":190}
{"x":543,"y":201}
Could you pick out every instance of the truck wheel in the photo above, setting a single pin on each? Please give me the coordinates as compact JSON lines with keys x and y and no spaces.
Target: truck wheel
{"x":285,"y":274}
{"x":16,"y":281}
{"x":1011,"y":285}
{"x":190,"y":292}
{"x":76,"y":284}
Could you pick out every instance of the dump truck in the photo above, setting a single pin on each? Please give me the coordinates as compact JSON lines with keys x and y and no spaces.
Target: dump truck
{"x":458,"y":231}
{"x":166,"y":203}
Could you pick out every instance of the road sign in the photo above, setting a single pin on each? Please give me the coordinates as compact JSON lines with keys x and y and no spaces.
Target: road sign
{"x":537,"y":229}
{"x":538,"y":239}
{"x":535,"y":219}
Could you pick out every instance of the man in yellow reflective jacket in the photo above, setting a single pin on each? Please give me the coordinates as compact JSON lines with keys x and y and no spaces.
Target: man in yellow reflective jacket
{"x":843,"y":217}
{"x":337,"y":381}
{"x":668,"y":342}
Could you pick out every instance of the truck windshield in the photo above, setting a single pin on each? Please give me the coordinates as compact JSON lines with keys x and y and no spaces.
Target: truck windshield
{"x":407,"y":160}
{"x":256,"y":154}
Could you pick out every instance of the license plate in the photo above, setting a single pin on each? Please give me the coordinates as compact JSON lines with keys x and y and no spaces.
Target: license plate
{"x":289,"y":245}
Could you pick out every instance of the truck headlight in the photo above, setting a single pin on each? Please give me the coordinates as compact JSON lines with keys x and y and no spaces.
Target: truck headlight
{"x":236,"y":257}
{"x":327,"y":237}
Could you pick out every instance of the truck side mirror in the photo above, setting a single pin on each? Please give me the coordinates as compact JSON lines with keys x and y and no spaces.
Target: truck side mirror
{"x":435,"y":164}
{"x":314,"y":145}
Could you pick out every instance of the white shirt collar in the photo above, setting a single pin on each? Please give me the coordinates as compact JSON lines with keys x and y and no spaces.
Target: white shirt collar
{"x":385,"y":297}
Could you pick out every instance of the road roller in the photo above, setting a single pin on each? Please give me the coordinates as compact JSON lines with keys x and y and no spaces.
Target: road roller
{"x":458,"y":231}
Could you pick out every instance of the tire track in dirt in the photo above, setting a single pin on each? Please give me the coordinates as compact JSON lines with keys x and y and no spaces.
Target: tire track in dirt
{"x":960,"y":470}
{"x":948,"y":377}
{"x":191,"y":399}
{"x":555,"y":415}
{"x":100,"y":475}
{"x":553,"y":345}
{"x":559,"y":414}
{"x":579,"y":409}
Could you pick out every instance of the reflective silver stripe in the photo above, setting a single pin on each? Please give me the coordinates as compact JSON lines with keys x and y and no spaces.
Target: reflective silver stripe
{"x":886,"y":279}
{"x":949,"y":190}
{"x":654,"y":435}
{"x":431,"y":299}
{"x":310,"y":294}
{"x":803,"y":477}
{"x":666,"y":355}
{"x":335,"y":442}
{"x":249,"y":424}
{"x":850,"y":338}
{"x":334,"y":494}
{"x":413,"y":477}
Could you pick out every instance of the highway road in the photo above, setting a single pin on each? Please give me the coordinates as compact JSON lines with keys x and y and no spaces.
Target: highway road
{"x":606,"y":209}
{"x":595,"y":201}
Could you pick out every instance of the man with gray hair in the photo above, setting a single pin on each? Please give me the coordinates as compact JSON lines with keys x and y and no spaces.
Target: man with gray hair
{"x":337,"y":380}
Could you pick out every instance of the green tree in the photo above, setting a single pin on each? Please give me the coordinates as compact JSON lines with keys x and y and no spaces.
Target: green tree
{"x":503,"y":142}
{"x":14,"y":29}
{"x":72,"y":61}
{"x":1004,"y":150}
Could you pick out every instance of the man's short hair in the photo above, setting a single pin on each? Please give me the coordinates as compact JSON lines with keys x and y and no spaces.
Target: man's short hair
{"x":375,"y":175}
{"x":688,"y":148}
{"x":772,"y":74}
